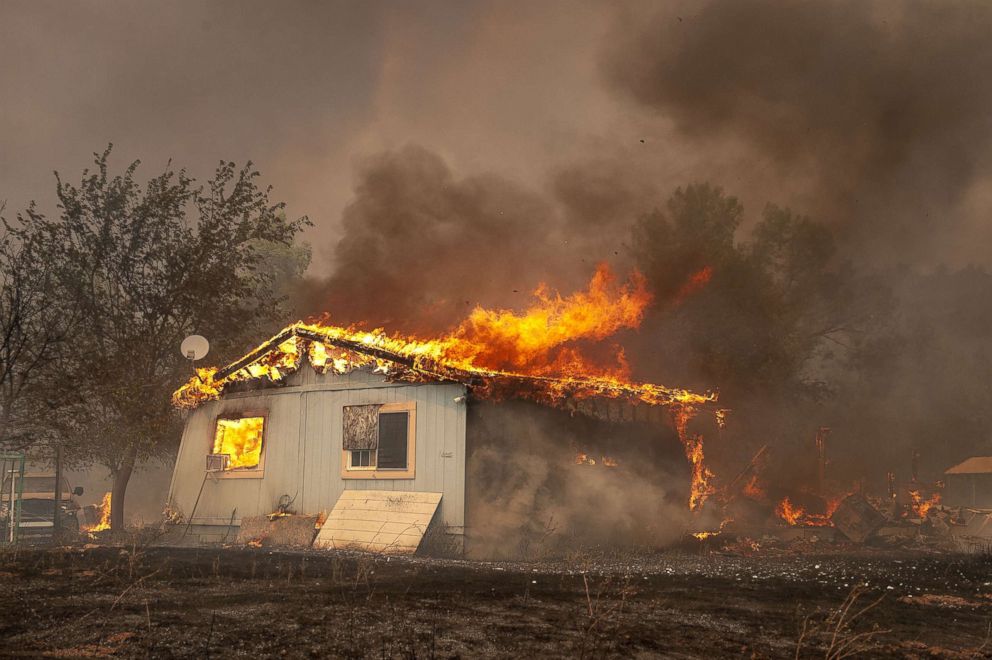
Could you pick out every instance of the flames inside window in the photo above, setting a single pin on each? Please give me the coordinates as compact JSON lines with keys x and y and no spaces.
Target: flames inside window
{"x":241,"y":439}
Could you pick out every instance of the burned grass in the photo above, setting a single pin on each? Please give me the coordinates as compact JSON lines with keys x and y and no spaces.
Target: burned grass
{"x":167,"y":602}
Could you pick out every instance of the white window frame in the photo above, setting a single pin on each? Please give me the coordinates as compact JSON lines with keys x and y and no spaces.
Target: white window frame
{"x":373,"y":471}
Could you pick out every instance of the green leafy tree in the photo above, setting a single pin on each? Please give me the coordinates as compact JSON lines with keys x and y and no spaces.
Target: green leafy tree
{"x":35,"y":336}
{"x":141,"y":267}
{"x":774,"y":326}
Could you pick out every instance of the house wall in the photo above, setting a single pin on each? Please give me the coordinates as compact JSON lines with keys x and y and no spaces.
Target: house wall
{"x":971,"y":490}
{"x":302,"y":448}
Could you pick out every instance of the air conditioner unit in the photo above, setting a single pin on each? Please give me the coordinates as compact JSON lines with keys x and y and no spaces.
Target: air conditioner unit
{"x":217,"y":462}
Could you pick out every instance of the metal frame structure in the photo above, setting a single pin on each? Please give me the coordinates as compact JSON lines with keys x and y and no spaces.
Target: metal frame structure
{"x":11,"y":490}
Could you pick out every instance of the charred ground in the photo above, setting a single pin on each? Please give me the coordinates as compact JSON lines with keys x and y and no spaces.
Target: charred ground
{"x":168,"y":602}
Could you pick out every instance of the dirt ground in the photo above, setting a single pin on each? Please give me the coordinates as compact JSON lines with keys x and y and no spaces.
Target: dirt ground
{"x":169,"y":602}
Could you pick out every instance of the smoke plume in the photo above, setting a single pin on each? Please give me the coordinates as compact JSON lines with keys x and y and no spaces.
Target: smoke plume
{"x":878,"y":110}
{"x":421,"y":247}
{"x":529,"y":498}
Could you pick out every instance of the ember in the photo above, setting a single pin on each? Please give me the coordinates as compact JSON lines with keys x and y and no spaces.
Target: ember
{"x":797,"y":515}
{"x":583,"y":459}
{"x":705,"y":535}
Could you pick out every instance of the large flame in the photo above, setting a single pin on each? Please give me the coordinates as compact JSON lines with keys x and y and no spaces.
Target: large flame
{"x":535,"y":354}
{"x":241,"y":440}
{"x":540,"y":341}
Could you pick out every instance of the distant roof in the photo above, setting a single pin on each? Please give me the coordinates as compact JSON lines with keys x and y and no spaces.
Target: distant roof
{"x":974,"y":465}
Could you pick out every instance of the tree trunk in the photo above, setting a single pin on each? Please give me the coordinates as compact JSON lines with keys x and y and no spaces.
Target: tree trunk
{"x":121,"y":478}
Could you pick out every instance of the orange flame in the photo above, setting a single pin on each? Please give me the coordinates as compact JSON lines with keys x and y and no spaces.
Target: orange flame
{"x":584,"y":459}
{"x":920,"y":505}
{"x":753,"y":490}
{"x":700,"y":487}
{"x":241,"y":440}
{"x":794,"y":514}
{"x":788,"y":512}
{"x":539,"y":345}
{"x":104,"y":522}
{"x":705,"y":535}
{"x":696,"y":281}
{"x":534,"y":342}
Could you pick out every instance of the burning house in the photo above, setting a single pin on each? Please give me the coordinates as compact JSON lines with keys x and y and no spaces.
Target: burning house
{"x":373,"y":431}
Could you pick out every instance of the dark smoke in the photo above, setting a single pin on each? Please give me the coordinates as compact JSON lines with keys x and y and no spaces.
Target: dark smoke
{"x":879,"y":111}
{"x":527,"y":497}
{"x":421,"y":247}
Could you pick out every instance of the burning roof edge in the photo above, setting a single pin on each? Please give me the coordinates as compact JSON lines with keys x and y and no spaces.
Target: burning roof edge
{"x":209,"y":384}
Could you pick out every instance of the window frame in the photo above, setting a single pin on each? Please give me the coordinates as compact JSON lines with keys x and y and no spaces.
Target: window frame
{"x":256,"y":472}
{"x":374,"y":471}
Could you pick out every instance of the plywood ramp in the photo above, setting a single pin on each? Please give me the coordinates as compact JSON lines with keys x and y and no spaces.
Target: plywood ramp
{"x":386,"y":521}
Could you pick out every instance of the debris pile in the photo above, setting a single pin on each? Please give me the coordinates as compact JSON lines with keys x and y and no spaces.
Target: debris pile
{"x":857,"y":520}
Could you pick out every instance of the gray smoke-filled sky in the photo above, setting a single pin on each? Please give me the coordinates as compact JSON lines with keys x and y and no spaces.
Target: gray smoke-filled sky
{"x":533,"y":130}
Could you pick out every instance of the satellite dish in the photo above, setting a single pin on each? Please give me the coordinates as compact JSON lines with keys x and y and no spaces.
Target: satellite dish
{"x":194,"y":348}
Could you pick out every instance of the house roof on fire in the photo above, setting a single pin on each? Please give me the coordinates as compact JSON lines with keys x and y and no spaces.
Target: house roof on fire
{"x":973,"y":465}
{"x":340,"y":350}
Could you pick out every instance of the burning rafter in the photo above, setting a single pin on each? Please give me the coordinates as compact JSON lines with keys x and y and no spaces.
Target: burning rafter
{"x":413,"y":361}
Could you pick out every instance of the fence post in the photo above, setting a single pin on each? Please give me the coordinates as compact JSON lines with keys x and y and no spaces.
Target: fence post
{"x":11,"y":489}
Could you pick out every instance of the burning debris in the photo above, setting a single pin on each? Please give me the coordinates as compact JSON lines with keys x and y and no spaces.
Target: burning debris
{"x":921,"y":505}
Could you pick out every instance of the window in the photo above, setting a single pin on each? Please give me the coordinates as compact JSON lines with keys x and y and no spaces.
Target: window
{"x":362,"y":458}
{"x":241,"y":439}
{"x":378,"y":441}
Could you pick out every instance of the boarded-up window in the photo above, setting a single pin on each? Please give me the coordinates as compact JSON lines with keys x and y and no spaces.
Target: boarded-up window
{"x":361,"y":427}
{"x":241,"y":439}
{"x":392,"y":441}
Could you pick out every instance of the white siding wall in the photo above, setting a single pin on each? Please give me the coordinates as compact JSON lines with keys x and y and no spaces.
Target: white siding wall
{"x":303,"y":448}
